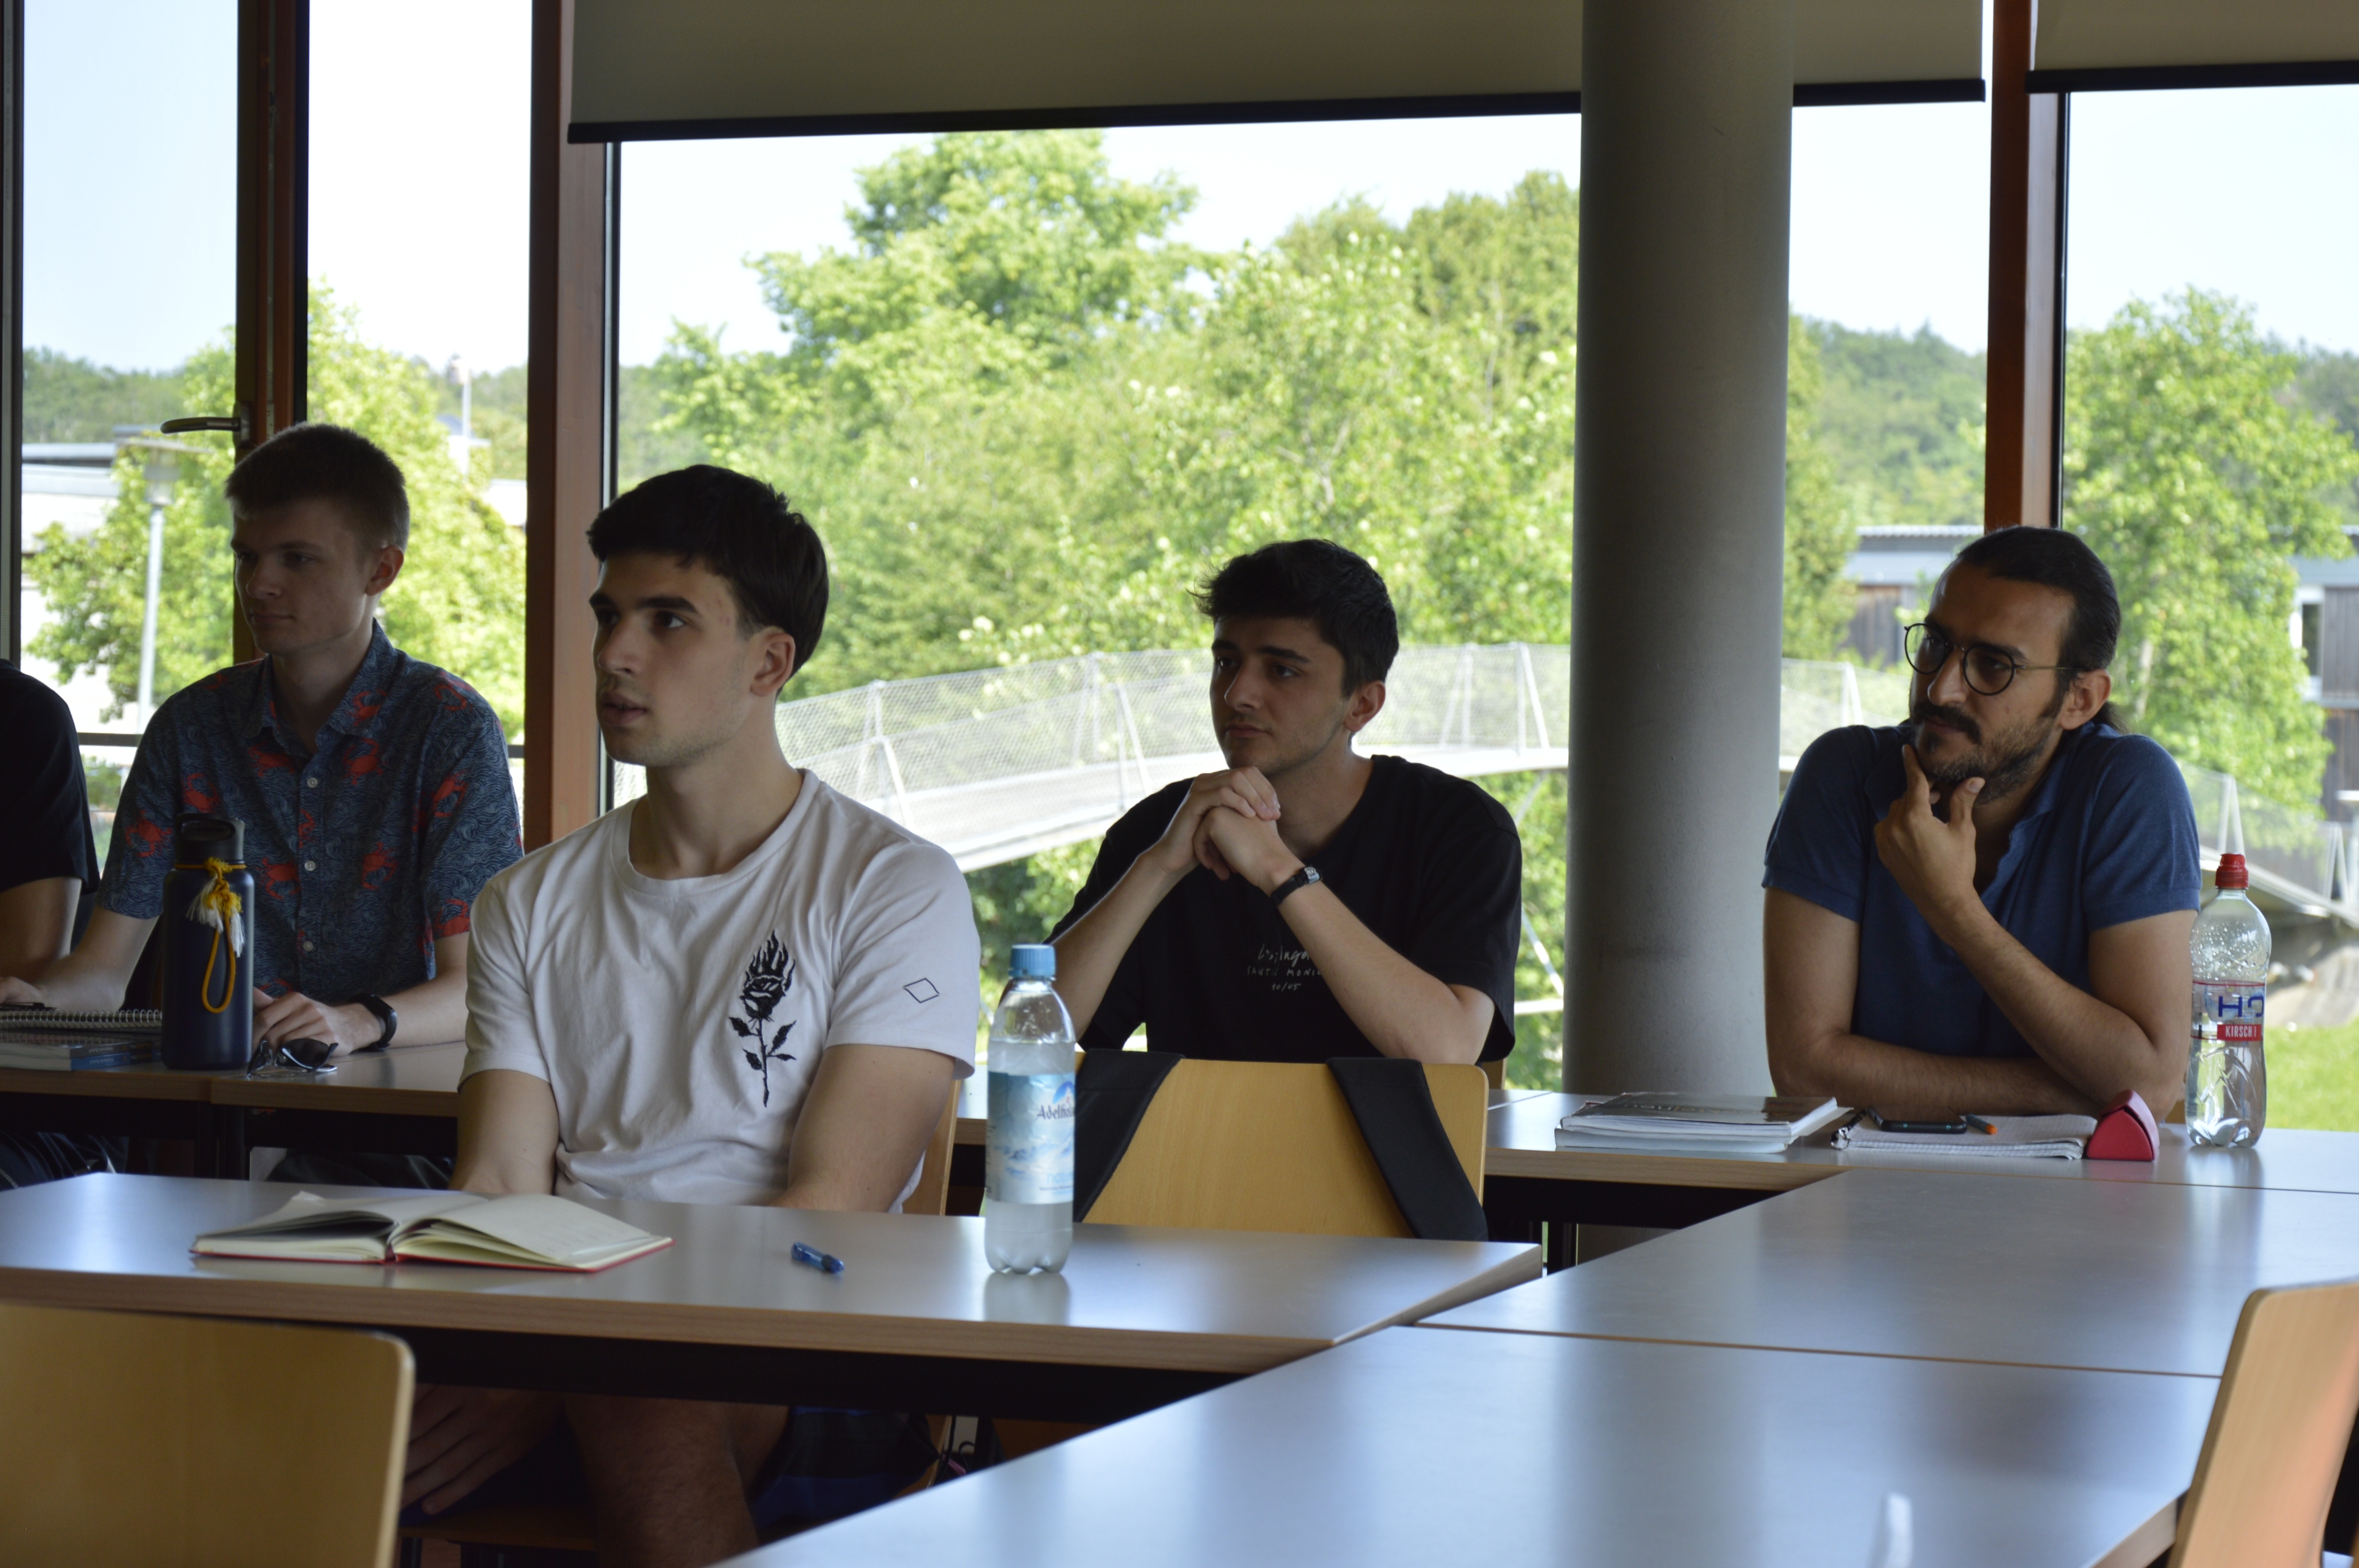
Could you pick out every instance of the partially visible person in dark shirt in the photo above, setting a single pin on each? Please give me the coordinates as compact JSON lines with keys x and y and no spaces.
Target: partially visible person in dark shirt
{"x":48,"y":863}
{"x":1988,"y":908}
{"x":373,"y":787}
{"x":1204,"y":918}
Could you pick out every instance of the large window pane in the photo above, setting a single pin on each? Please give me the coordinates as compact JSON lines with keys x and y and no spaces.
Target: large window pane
{"x":129,"y":294}
{"x":420,"y":158}
{"x":1033,"y":387}
{"x":2212,"y":458}
{"x":1891,"y":247}
{"x":2211,"y":399}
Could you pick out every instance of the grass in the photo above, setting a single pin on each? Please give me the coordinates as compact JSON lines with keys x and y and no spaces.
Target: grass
{"x":2313,"y":1076}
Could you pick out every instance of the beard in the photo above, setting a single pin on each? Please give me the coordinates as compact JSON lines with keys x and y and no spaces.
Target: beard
{"x":2004,"y":765}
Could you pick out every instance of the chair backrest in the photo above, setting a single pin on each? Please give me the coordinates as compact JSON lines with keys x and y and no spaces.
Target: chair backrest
{"x":933,"y":1193}
{"x":1273,"y":1146}
{"x":2279,"y":1424}
{"x":183,"y":1443}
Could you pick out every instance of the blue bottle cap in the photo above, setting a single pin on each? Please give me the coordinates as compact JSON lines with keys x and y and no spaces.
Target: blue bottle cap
{"x":1032,"y":961}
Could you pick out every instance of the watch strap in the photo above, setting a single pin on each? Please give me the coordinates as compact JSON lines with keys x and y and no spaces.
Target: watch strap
{"x":390,"y":1019}
{"x":1293,"y":884}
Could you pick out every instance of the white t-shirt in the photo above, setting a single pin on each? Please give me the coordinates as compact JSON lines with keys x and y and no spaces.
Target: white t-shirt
{"x":677,"y":1022}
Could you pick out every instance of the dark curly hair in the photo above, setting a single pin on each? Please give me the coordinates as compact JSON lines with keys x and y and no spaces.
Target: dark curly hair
{"x":737,"y":528}
{"x":1317,"y":581}
{"x":2051,"y":557}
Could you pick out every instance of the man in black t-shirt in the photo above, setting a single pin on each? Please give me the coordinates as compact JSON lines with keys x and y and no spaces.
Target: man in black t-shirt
{"x":49,"y":864}
{"x":1309,"y":901}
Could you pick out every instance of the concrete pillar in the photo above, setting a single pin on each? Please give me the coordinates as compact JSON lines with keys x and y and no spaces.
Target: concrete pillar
{"x":1678,"y":519}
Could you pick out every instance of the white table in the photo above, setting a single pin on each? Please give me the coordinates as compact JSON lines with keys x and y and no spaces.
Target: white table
{"x":1139,"y":1316}
{"x":2134,"y":1276}
{"x":1414,"y":1449}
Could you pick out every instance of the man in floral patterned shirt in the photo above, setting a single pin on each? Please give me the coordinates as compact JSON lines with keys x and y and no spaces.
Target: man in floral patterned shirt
{"x":373,"y":788}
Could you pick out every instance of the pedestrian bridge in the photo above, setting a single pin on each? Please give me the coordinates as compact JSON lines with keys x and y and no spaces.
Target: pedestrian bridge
{"x":1000,"y":764}
{"x":996,"y":764}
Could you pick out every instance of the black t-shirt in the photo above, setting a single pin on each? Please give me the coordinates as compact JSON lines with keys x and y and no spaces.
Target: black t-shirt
{"x":1428,"y":862}
{"x":44,"y":805}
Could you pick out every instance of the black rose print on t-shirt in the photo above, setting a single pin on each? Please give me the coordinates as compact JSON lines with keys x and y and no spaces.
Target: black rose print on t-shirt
{"x":769,"y":978}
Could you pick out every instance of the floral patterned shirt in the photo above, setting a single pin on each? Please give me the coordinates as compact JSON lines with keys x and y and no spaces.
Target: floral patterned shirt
{"x":363,"y":852}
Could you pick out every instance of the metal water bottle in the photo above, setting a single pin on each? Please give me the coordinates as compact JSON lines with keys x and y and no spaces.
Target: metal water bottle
{"x":207,"y":931}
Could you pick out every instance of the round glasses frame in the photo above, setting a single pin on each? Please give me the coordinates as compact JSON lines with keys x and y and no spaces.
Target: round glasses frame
{"x":1986,"y":669}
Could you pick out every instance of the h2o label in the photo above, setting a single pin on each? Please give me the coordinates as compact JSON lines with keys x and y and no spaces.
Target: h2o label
{"x":2238,"y":1007}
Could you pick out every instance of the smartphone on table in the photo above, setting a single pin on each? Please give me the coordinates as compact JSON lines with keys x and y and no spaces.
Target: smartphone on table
{"x":1917,"y":1119}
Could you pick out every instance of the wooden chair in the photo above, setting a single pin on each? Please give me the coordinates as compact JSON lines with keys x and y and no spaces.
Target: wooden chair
{"x":2279,"y":1428}
{"x":1272,"y":1146}
{"x":933,"y":1193}
{"x":191,"y":1441}
{"x":1262,"y":1146}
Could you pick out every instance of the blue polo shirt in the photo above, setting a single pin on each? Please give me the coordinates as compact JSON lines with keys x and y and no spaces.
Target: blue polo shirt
{"x":2109,"y":837}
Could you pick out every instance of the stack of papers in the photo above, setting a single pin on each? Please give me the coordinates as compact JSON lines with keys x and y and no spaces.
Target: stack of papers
{"x":2016,"y":1137}
{"x":1735,"y":1124}
{"x":72,"y":1053}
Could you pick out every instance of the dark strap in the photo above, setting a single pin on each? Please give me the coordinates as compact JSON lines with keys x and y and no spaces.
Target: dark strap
{"x":1389,"y":1099}
{"x":1111,"y":1093}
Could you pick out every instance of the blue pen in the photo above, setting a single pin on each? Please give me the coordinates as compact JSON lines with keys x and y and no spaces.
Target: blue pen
{"x":826,"y":1262}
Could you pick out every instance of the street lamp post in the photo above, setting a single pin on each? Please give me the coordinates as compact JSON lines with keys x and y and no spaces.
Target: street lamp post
{"x":163,"y":470}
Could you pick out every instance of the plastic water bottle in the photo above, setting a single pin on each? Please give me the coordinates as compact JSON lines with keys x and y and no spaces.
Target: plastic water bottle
{"x":1028,"y":1181}
{"x":2227,"y":1089}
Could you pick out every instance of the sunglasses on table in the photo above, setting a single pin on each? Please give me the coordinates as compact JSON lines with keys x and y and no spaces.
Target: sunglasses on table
{"x":1988,"y":670}
{"x":291,"y":1058}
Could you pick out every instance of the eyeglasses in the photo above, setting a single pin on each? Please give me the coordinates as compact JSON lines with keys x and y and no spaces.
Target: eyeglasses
{"x":1987,"y":670}
{"x":289,"y":1058}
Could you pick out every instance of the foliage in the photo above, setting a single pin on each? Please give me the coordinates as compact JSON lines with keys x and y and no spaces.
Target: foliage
{"x":1021,"y":901}
{"x":102,"y":782}
{"x":2328,"y":385}
{"x":96,"y":585}
{"x":1900,"y":416}
{"x":495,"y":410}
{"x":1015,"y":386}
{"x":458,"y":603}
{"x":1819,"y":531}
{"x":69,"y":399}
{"x":2313,"y":1076}
{"x":2195,"y":481}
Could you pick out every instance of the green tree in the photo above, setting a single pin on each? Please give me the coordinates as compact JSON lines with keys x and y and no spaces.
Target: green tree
{"x":458,"y":603}
{"x":1819,"y":531}
{"x":2195,"y":480}
{"x":69,"y":399}
{"x":1900,"y":417}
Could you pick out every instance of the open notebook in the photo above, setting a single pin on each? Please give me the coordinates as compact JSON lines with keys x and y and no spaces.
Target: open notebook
{"x":529,"y":1230}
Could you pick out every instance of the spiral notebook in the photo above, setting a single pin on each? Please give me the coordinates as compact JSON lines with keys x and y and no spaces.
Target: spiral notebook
{"x":48,"y":1021}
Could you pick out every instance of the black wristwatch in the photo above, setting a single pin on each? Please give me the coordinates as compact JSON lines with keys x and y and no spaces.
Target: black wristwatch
{"x":385,"y":1015}
{"x":1295,"y":883}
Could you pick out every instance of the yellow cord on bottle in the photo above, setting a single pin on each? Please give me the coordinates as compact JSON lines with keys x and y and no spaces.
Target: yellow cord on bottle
{"x":218,"y":905}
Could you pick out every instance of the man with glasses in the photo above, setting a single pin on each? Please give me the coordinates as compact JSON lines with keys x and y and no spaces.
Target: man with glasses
{"x":1988,"y":908}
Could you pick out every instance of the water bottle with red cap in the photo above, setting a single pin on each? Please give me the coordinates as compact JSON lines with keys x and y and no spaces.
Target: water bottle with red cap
{"x":2227,"y":1089}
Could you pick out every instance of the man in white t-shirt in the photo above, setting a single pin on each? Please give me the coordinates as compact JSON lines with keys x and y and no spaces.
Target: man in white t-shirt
{"x":743,"y":988}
